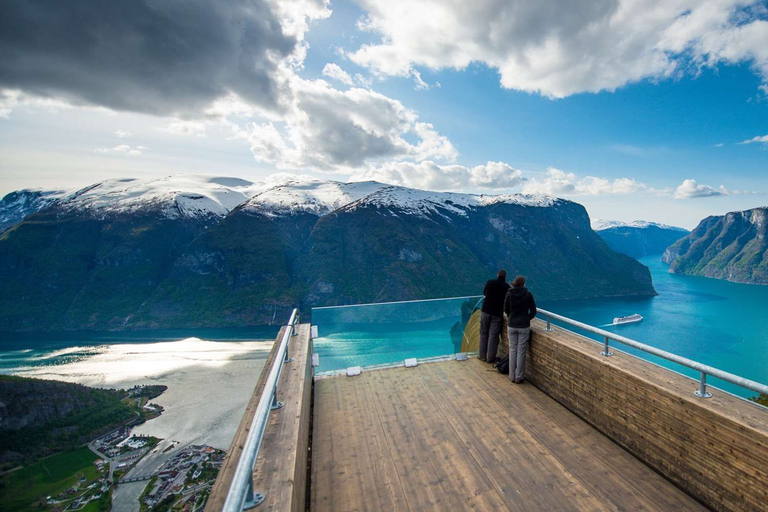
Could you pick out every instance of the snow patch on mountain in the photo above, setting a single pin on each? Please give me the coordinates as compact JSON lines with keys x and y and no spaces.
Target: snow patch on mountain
{"x":422,"y":202}
{"x":602,"y":224}
{"x":318,"y":197}
{"x":179,"y":195}
{"x":17,"y":205}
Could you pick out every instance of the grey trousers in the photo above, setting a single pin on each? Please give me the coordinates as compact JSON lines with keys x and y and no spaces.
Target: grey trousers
{"x":490,"y":329}
{"x":518,"y":346}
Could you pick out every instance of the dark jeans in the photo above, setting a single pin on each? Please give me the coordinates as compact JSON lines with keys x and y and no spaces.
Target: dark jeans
{"x":490,"y":329}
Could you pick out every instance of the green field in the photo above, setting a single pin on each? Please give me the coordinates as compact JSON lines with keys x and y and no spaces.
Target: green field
{"x":21,"y":489}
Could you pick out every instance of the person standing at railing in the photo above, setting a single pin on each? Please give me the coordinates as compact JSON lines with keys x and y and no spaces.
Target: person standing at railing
{"x":520,"y":308}
{"x":491,"y":316}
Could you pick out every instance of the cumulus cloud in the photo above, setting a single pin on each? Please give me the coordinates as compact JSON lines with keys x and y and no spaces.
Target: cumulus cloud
{"x":545,"y":48}
{"x":122,"y":149}
{"x":234,"y":63}
{"x":334,"y":71}
{"x":335,"y":130}
{"x":165,"y":58}
{"x":431,"y":176}
{"x":691,"y":189}
{"x":560,"y":183}
{"x":757,"y":139}
{"x":122,"y":134}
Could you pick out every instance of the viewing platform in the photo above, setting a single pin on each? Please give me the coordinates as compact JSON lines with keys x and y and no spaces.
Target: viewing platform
{"x":585,"y":431}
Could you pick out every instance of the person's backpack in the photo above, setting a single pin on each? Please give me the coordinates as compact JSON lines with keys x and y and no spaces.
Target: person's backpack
{"x":503,"y":365}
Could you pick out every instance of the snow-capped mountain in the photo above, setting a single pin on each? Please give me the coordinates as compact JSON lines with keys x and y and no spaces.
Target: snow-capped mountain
{"x":132,"y":254}
{"x":17,"y":205}
{"x":179,"y":195}
{"x":602,"y":224}
{"x":203,"y":196}
{"x":423,"y":203}
{"x":318,"y":197}
{"x":637,"y":238}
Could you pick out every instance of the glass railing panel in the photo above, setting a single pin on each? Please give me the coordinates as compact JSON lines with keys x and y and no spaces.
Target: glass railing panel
{"x":388,"y":333}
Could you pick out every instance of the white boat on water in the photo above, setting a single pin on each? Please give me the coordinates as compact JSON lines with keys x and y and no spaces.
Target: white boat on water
{"x":627,"y":319}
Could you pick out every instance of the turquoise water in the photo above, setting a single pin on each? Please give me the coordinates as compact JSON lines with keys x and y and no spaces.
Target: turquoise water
{"x":715,"y":322}
{"x":711,"y":321}
{"x":387,"y":333}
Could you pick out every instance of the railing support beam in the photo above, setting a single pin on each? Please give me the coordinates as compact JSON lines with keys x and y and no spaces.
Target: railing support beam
{"x":252,"y":499}
{"x":606,"y":349}
{"x":702,"y":391}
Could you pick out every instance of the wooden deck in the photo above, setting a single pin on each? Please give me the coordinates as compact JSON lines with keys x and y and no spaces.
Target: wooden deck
{"x":456,"y":436}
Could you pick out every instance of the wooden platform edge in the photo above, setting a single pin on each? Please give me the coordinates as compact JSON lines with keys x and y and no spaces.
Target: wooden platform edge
{"x":301,"y":351}
{"x":715,"y":449}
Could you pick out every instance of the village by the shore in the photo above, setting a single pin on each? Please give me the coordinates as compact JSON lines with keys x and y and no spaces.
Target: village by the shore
{"x":181,"y":483}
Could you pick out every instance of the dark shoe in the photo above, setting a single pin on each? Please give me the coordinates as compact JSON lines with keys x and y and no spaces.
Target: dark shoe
{"x":519,"y":381}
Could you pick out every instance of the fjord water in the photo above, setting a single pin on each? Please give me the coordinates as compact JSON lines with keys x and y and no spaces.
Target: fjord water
{"x":711,"y":321}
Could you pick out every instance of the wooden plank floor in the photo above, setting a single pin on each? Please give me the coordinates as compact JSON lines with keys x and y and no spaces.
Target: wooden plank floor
{"x":455,"y":436}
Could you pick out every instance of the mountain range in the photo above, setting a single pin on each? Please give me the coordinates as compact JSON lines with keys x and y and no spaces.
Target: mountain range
{"x":731,"y":247}
{"x":638,"y":238}
{"x":193,"y":251}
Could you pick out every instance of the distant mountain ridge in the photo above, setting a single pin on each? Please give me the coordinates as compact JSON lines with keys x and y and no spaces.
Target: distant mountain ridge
{"x":603,"y":224}
{"x":638,"y":238}
{"x":731,"y":247}
{"x":193,"y":251}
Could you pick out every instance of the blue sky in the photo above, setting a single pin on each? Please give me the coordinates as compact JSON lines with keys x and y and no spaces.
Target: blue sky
{"x":568,"y":114}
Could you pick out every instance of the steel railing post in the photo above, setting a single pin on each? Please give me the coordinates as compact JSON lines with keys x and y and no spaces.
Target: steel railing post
{"x":252,"y":499}
{"x":549,"y":324}
{"x":275,"y":404}
{"x":702,"y":391}
{"x":606,"y":349}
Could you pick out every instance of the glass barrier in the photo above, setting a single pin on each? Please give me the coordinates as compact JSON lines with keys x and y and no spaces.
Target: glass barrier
{"x":388,"y":333}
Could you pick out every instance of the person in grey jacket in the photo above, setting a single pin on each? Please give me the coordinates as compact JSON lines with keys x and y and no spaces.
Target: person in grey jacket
{"x":520,"y":309}
{"x":491,"y":316}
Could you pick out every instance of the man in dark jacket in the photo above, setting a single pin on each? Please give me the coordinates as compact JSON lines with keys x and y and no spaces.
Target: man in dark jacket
{"x":520,"y":309}
{"x":491,"y":316}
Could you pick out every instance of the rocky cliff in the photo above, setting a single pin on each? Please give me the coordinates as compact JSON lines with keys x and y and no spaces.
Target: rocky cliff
{"x":731,"y":247}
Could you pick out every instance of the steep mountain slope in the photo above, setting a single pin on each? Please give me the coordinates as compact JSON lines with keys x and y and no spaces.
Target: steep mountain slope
{"x":638,"y":238}
{"x":184,"y":252}
{"x":731,"y":247}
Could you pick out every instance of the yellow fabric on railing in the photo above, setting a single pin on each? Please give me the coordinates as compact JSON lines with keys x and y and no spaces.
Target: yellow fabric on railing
{"x":471,"y":340}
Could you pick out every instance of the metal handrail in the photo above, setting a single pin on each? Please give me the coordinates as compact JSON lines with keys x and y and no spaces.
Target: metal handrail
{"x":703,"y":369}
{"x":241,"y":494}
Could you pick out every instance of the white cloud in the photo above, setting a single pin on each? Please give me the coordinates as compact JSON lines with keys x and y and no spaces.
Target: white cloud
{"x":418,"y":83}
{"x":10,"y":99}
{"x":334,"y":71}
{"x":691,"y":189}
{"x":561,"y":183}
{"x":718,"y":145}
{"x":180,"y":127}
{"x":122,"y":149}
{"x":332,"y":130}
{"x":431,"y":176}
{"x":121,"y":134}
{"x":757,"y":139}
{"x":548,"y":48}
